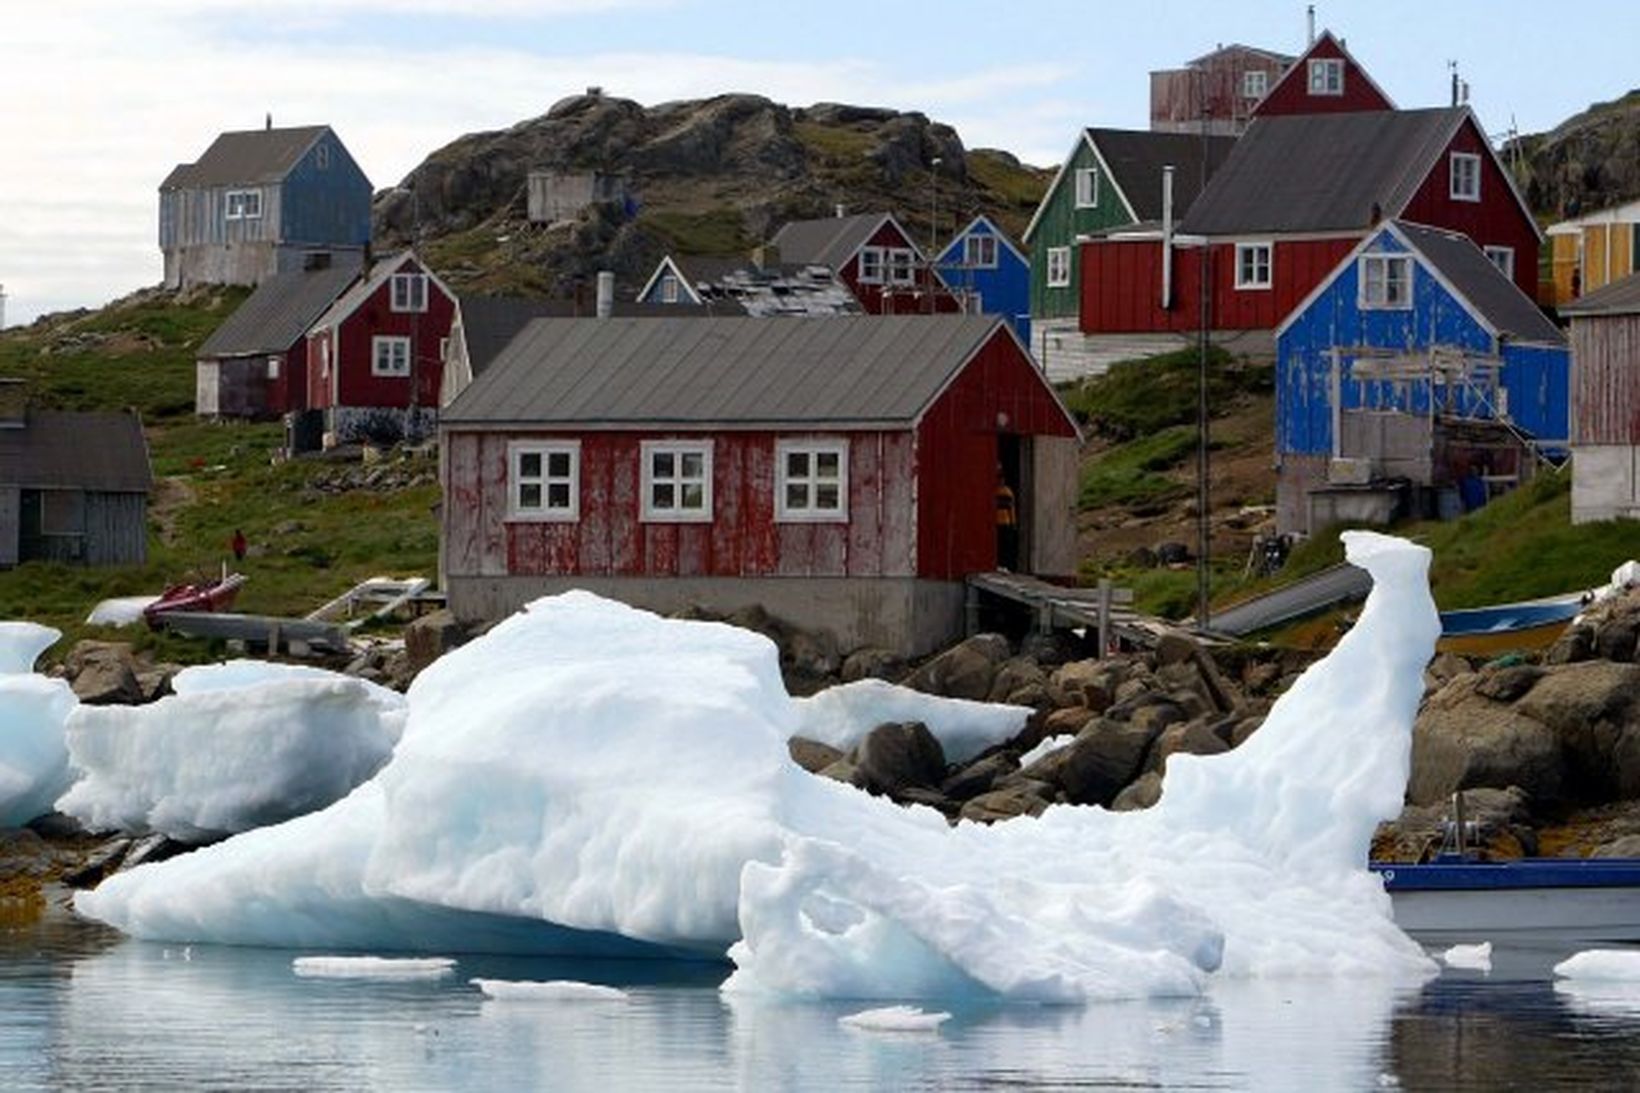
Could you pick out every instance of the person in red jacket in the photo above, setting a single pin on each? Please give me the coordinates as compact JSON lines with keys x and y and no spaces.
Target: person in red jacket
{"x":238,"y":544}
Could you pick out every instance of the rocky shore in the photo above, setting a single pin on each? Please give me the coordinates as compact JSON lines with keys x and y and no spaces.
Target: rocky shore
{"x":1546,"y":748}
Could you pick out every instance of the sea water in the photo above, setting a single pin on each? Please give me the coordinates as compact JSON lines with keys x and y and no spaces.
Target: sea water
{"x":83,"y":1008}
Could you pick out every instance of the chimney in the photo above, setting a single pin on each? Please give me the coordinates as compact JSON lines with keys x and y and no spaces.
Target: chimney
{"x":606,"y":294}
{"x":842,"y":210}
{"x":269,"y":123}
{"x":1167,"y":237}
{"x":1309,"y":27}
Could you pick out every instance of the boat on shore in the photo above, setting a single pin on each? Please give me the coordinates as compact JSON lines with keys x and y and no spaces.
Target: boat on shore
{"x":1509,"y":627}
{"x":206,"y":595}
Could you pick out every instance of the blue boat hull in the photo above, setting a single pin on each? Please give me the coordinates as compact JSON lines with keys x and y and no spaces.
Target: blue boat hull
{"x":1534,"y":901}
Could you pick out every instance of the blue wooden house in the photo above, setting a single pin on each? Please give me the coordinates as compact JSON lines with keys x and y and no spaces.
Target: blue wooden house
{"x":983,"y":266}
{"x":1416,"y":379}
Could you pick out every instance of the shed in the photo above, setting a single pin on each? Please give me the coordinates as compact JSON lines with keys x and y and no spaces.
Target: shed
{"x":989,"y":274}
{"x":874,"y":256}
{"x":1415,"y":374}
{"x":1605,"y":337}
{"x":73,"y":488}
{"x":842,"y":474}
{"x":1216,"y":92}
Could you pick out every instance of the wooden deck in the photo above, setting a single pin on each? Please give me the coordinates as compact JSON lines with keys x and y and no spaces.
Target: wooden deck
{"x":295,"y":636}
{"x":1104,"y":611}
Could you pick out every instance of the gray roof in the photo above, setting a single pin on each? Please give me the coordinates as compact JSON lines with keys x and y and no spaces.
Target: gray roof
{"x":860,"y":371}
{"x":1136,"y":158}
{"x":279,"y":312}
{"x":1498,"y":299}
{"x":59,"y":449}
{"x":1323,"y":172}
{"x":489,"y":323}
{"x":252,"y":155}
{"x":827,"y":242}
{"x":1618,"y":298}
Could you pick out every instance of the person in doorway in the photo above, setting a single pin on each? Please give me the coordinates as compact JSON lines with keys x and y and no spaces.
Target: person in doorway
{"x":238,"y":544}
{"x":1007,"y":517}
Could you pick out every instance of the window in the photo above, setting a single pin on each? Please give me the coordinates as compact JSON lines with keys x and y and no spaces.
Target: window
{"x":1254,"y":84}
{"x":273,"y":368}
{"x":677,"y":480}
{"x":1466,"y":177}
{"x":389,"y":355}
{"x":321,"y":157}
{"x":902,"y":265}
{"x":1385,"y":282}
{"x":1252,"y":265}
{"x":980,"y":251}
{"x":1504,"y":259}
{"x":1059,"y":267}
{"x":544,"y":480}
{"x":1326,"y":76}
{"x":244,"y":204}
{"x":1087,"y":187}
{"x":669,"y":289}
{"x":811,"y":480}
{"x":871,"y":265}
{"x":409,"y":292}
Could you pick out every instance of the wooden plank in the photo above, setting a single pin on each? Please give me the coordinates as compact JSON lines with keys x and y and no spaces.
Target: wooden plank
{"x":258,"y":629}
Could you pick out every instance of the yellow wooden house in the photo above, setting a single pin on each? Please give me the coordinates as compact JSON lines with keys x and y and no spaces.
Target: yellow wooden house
{"x":1592,"y":251}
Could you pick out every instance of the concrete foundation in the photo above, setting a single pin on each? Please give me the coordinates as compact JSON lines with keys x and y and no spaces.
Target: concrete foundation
{"x":1605,"y":483}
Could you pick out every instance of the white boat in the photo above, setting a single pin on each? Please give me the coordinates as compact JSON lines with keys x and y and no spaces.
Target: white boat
{"x":1523,"y":903}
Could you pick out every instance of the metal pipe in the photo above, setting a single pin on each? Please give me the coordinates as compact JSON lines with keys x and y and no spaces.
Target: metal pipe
{"x":606,"y":294}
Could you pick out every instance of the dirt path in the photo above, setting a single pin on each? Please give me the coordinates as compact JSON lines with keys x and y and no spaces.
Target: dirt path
{"x":170,"y":497}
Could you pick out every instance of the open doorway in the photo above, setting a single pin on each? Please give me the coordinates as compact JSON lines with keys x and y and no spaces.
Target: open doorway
{"x":1013,"y":503}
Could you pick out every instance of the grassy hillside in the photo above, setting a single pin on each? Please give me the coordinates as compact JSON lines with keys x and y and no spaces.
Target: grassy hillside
{"x":313,"y":530}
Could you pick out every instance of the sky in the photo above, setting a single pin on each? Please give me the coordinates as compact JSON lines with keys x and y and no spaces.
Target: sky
{"x":99,"y":99}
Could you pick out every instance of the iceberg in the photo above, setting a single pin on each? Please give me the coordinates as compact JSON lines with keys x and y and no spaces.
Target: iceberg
{"x":238,"y":746}
{"x":587,"y":775}
{"x":33,"y":709}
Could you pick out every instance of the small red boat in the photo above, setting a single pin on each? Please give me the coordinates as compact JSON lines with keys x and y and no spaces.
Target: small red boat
{"x":217,"y":595}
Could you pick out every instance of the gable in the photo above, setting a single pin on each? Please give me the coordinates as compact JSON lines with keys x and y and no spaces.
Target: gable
{"x":1293,"y":92}
{"x":981,"y":225}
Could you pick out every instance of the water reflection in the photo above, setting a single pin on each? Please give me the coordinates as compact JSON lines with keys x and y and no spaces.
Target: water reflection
{"x":82,"y":1011}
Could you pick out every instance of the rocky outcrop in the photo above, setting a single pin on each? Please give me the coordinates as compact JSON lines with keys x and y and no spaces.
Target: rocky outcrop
{"x":1588,"y":162}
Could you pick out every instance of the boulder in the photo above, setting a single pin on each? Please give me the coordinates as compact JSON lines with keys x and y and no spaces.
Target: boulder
{"x":1444,"y":668}
{"x":898,"y":755}
{"x":1626,"y":846}
{"x":1594,"y":708}
{"x":1464,"y":740}
{"x":1093,"y":768}
{"x":812,"y":755}
{"x":962,"y":671}
{"x":1576,"y":644}
{"x":1145,"y":791}
{"x":1014,"y":674}
{"x":811,"y":655}
{"x":1050,"y":649}
{"x":431,"y":636}
{"x":104,"y":673}
{"x":1192,"y":737}
{"x":872,"y":663}
{"x":1021,"y":798}
{"x":1509,"y":683}
{"x":980,"y":776}
{"x":1616,"y":639}
{"x":1153,"y":718}
{"x":1176,"y":648}
{"x":1066,"y":722}
{"x":1092,"y":683}
{"x":155,"y":682}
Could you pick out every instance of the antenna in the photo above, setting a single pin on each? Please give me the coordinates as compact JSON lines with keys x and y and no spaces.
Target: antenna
{"x":1452,"y":71}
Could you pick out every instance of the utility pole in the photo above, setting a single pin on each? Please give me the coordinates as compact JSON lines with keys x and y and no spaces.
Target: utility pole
{"x":1204,"y":526}
{"x":933,"y":227}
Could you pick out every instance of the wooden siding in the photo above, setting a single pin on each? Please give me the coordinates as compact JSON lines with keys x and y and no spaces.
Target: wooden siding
{"x":1122,"y":285}
{"x":924,"y":296}
{"x":11,"y":519}
{"x":1496,"y":220}
{"x":1058,"y":224}
{"x":1210,"y":94}
{"x":999,"y":392}
{"x":240,"y":387}
{"x":1292,"y":95}
{"x":1003,"y":290}
{"x":1605,"y":380}
{"x":742,"y":540}
{"x":116,"y":528}
{"x":353,"y":383}
{"x":326,"y":206}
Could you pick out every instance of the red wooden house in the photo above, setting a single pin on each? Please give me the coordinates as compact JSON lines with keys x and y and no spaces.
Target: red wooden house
{"x":375,"y":358}
{"x":1325,"y":80}
{"x":842,"y":474}
{"x":874,"y":256}
{"x":1296,"y":195}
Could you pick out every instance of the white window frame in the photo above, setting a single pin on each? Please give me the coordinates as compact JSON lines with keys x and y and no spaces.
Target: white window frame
{"x":386,"y":350}
{"x":545,"y":511}
{"x":1255,"y":83}
{"x":1059,"y":267}
{"x":243,"y":205}
{"x":901,"y":265}
{"x":980,"y":252}
{"x":650,"y":513}
{"x":1250,"y":281}
{"x":873,"y":265}
{"x":273,"y":368}
{"x":1464,"y":176}
{"x":810,"y":511}
{"x":1326,"y":75}
{"x":1381,"y":300}
{"x":1087,"y":187}
{"x":408,"y":293}
{"x":1503,"y":258}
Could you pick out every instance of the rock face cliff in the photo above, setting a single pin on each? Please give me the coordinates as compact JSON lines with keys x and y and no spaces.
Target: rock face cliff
{"x":1587,"y":162}
{"x":713,"y":176}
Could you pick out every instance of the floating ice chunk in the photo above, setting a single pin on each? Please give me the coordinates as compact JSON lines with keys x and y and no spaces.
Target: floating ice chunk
{"x":372,"y":967}
{"x":1047,"y":747}
{"x":119,"y":611}
{"x":1472,"y":957}
{"x":239,"y":745}
{"x":1608,"y":965}
{"x":33,"y":709}
{"x":842,"y":716}
{"x":552,"y":990}
{"x":895,"y":1019}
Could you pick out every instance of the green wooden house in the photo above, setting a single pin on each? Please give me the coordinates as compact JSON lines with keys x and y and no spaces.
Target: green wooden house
{"x":1111,"y":180}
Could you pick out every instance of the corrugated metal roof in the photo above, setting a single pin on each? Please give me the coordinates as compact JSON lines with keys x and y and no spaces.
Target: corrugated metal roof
{"x":1136,"y":158}
{"x":860,"y":370}
{"x":827,"y":242}
{"x":1322,"y":172}
{"x":251,"y":155}
{"x":1466,"y":267}
{"x":488,"y":323}
{"x":1618,"y":298}
{"x":58,"y":449}
{"x":279,"y":312}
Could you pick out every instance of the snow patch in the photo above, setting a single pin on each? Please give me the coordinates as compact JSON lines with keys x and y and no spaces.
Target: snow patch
{"x":120,"y":611}
{"x":895,"y":1019}
{"x":1047,"y":747}
{"x":552,"y":990}
{"x":372,"y":967}
{"x":842,"y":716}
